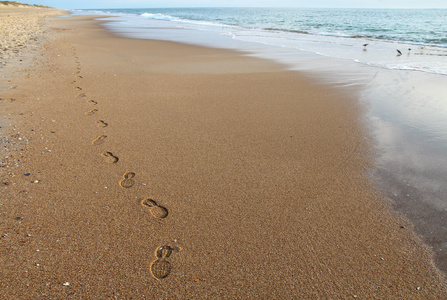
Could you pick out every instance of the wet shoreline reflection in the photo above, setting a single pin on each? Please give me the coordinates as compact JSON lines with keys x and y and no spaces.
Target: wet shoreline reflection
{"x":408,"y":112}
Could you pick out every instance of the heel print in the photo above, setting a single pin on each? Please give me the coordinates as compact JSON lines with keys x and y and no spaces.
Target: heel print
{"x":156,"y":210}
{"x":128,"y":182}
{"x":161,"y":268}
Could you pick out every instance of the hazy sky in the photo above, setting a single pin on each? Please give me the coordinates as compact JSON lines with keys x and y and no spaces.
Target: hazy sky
{"x":71,"y":4}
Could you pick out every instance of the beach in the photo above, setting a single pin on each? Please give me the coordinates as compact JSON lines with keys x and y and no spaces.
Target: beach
{"x":158,"y":170}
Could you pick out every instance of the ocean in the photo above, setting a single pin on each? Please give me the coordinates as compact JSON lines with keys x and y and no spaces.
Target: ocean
{"x":338,"y":33}
{"x":400,"y":76}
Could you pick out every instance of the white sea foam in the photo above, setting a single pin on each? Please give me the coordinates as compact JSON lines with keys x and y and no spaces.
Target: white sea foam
{"x":160,"y":17}
{"x":163,"y":17}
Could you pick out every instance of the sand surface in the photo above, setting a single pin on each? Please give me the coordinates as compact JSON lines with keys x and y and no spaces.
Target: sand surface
{"x":142,"y":169}
{"x":20,"y":27}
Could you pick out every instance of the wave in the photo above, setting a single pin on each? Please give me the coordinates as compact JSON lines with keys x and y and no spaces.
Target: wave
{"x":163,"y":17}
{"x":159,"y":16}
{"x":368,"y":34}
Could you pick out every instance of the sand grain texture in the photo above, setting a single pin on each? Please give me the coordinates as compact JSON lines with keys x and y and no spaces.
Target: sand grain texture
{"x":263,"y":172}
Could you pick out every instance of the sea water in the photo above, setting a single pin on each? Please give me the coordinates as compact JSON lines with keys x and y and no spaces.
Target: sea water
{"x":400,"y":75}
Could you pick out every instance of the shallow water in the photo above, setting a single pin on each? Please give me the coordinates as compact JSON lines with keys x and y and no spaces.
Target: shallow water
{"x":406,"y":96}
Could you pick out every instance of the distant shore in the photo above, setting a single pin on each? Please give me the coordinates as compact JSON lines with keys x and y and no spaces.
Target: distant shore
{"x":149,"y":169}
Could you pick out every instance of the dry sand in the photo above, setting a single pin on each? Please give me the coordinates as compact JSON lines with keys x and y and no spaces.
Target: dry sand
{"x":19,"y":28}
{"x":155,"y":170}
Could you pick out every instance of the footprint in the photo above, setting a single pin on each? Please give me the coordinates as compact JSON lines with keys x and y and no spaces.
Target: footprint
{"x":156,"y":210}
{"x":80,"y":77}
{"x":78,"y":88}
{"x":161,"y":268}
{"x":93,"y":102}
{"x":71,"y":82}
{"x":128,"y":182}
{"x":76,"y":72}
{"x":99,"y":140}
{"x":101,"y":123}
{"x":109,"y":157}
{"x":92,"y":112}
{"x":81,"y":95}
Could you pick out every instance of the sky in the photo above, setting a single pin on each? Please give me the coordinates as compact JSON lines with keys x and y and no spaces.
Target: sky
{"x":88,"y":4}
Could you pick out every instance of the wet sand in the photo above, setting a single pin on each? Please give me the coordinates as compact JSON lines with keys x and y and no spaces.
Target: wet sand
{"x":148,"y":169}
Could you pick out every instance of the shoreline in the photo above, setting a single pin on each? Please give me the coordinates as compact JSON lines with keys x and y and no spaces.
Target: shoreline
{"x":245,"y":157}
{"x":405,"y":112}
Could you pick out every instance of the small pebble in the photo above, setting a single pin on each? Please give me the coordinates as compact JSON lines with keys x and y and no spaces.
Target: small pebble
{"x":66,"y":283}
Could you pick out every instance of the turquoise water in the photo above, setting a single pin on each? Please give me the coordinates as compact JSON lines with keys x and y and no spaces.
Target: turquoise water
{"x":338,"y":33}
{"x":422,"y":27}
{"x":405,"y":94}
